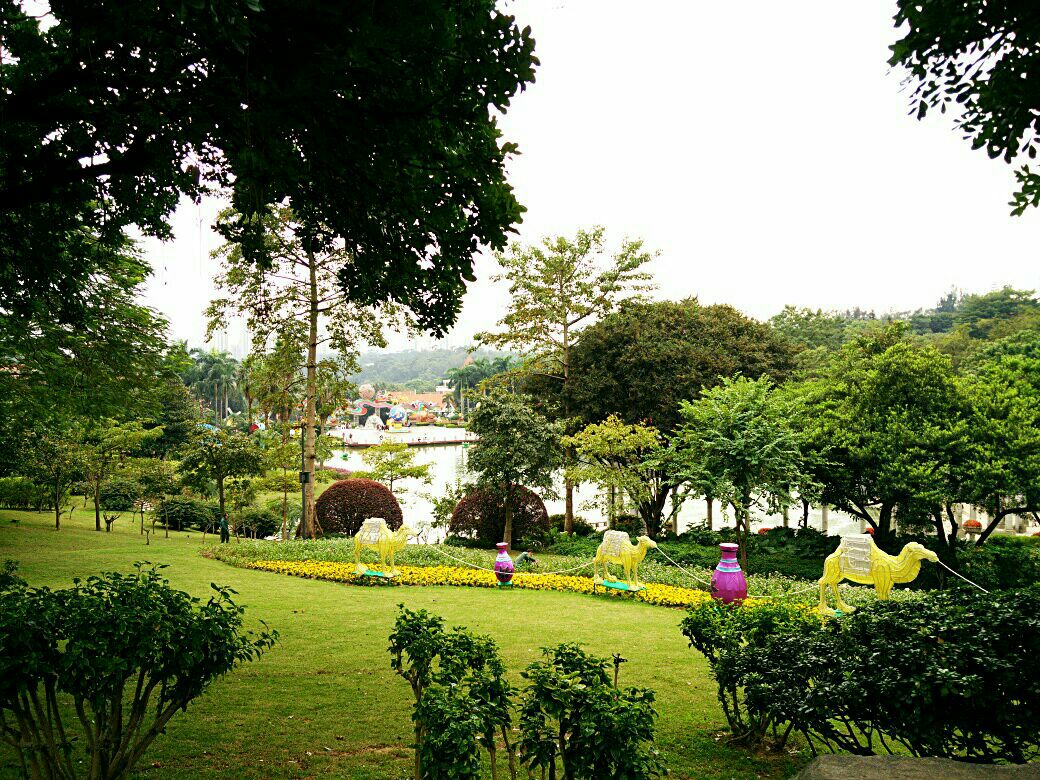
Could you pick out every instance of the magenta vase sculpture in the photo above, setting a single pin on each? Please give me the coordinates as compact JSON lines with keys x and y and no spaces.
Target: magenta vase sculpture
{"x":504,"y":565}
{"x":727,"y":581}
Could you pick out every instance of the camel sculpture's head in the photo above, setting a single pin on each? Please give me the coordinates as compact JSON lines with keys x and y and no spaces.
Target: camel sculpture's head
{"x":646,"y":541}
{"x":406,"y":531}
{"x":920,"y":551}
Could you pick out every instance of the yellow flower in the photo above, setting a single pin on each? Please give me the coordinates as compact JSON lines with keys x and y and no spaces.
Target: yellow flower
{"x":654,"y":593}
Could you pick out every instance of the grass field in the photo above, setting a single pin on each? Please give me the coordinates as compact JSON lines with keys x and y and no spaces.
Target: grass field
{"x":324,"y":703}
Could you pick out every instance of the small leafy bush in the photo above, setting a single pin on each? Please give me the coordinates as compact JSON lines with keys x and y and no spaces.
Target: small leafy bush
{"x":580,"y":526}
{"x":124,"y":651}
{"x":259,"y":523}
{"x":462,"y":697}
{"x":181,"y":513}
{"x":633,"y":525}
{"x":120,"y":495}
{"x":574,"y":718}
{"x":346,"y":504}
{"x":481,"y":515}
{"x":23,"y":493}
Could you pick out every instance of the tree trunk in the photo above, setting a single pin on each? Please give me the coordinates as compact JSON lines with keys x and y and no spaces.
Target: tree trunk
{"x":708,"y":500}
{"x":312,"y":388}
{"x":568,"y":452}
{"x":220,"y":494}
{"x":97,"y":505}
{"x":57,"y":505}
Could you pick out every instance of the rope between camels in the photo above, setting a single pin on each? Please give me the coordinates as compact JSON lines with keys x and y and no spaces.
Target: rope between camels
{"x":963,"y":577}
{"x":482,"y":568}
{"x":693,"y":577}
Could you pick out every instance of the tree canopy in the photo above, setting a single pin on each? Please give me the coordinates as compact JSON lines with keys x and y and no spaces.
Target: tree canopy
{"x":374,"y":122}
{"x":978,"y":59}
{"x":642,"y":360}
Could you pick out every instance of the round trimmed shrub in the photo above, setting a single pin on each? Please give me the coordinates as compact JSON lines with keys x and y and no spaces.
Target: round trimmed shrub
{"x":346,"y":504}
{"x":482,"y":515}
{"x":581,"y":526}
{"x":119,"y":495}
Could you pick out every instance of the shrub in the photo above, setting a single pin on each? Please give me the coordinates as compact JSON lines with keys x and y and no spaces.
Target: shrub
{"x":722,"y":632}
{"x":119,"y":495}
{"x":571,"y":714}
{"x":633,"y":525}
{"x":22,"y":493}
{"x":482,"y":515}
{"x":943,"y":675}
{"x":181,"y":513}
{"x":346,"y":504}
{"x":580,"y":526}
{"x":260,"y":523}
{"x":326,"y":474}
{"x":124,"y":651}
{"x":462,"y":696}
{"x":701,"y":534}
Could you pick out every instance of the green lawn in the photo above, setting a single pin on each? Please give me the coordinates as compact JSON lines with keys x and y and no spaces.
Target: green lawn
{"x":324,"y":703}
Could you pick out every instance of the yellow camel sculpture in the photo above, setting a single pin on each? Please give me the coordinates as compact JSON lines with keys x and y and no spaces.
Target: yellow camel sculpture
{"x":616,"y":548}
{"x":860,"y":560}
{"x":376,"y":535}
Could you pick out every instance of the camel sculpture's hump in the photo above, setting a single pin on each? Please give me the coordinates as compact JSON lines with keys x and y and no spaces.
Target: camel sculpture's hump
{"x":371,"y":530}
{"x":614,"y":542}
{"x":856,"y":554}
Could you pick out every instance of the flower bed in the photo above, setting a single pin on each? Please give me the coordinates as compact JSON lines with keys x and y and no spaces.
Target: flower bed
{"x":655,"y":593}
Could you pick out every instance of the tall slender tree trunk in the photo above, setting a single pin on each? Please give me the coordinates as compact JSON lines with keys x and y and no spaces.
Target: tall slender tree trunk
{"x":312,"y":388}
{"x":708,"y":501}
{"x":97,"y":505}
{"x":568,"y":452}
{"x":57,"y":504}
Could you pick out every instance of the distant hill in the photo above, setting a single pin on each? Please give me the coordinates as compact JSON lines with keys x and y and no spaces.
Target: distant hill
{"x":415,"y":370}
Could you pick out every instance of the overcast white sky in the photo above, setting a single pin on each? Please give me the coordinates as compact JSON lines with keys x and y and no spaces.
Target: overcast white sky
{"x":764,"y":148}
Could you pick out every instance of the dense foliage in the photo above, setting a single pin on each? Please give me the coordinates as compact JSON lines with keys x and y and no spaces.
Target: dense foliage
{"x":571,"y":715}
{"x":941,"y":676}
{"x":345,"y":505}
{"x":482,"y":515}
{"x":184,"y":513}
{"x":23,"y":493}
{"x":126,"y":650}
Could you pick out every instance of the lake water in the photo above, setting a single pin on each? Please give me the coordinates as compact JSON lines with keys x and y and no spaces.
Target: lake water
{"x":448,"y":461}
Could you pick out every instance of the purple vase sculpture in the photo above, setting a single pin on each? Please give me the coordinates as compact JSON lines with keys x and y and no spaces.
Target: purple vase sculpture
{"x":727,"y":581}
{"x":504,"y":565}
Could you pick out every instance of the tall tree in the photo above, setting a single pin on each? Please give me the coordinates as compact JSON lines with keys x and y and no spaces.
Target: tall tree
{"x":736,"y":442}
{"x":887,"y":422}
{"x":517,"y":447}
{"x":296,"y":298}
{"x":375,"y":123}
{"x":219,"y":455}
{"x":642,"y":360}
{"x":977,"y":59}
{"x":558,"y":288}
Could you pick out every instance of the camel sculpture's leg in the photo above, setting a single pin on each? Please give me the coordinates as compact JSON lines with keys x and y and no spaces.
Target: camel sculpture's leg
{"x":635,"y":572}
{"x":845,"y":608}
{"x":883,"y":583}
{"x":823,"y":608}
{"x":357,"y":558}
{"x":595,"y":569}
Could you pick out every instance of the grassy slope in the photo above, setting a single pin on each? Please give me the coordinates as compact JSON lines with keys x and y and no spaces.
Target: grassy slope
{"x":325,"y":703}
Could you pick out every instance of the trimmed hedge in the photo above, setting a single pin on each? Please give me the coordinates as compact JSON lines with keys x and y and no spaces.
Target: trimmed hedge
{"x":346,"y":504}
{"x":481,"y":515}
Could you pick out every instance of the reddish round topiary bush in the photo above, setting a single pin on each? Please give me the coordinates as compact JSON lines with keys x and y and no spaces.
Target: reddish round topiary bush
{"x":346,"y":504}
{"x":482,"y":515}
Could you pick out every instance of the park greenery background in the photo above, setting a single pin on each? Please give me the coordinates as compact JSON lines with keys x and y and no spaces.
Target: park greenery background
{"x":359,"y":183}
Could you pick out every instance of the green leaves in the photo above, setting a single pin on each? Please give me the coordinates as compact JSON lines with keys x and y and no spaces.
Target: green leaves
{"x":126,"y":649}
